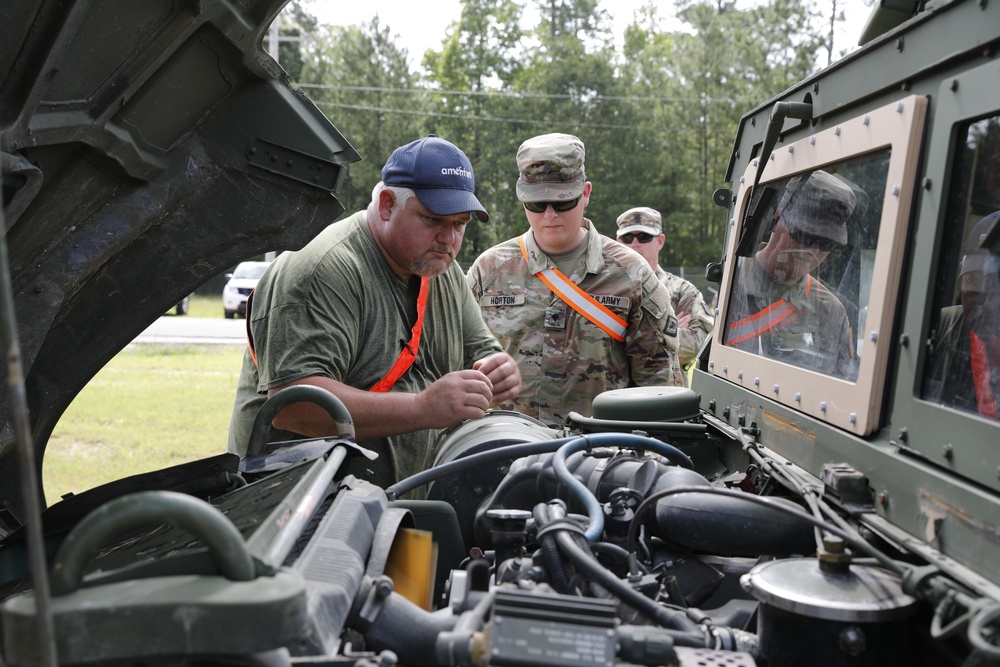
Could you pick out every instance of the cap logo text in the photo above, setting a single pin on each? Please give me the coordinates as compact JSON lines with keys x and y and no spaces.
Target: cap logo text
{"x":456,"y":171}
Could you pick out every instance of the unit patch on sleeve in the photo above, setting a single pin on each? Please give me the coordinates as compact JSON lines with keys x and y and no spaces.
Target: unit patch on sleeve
{"x":671,"y":328}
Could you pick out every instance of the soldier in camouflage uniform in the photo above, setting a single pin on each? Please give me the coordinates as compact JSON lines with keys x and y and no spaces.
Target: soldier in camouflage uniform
{"x":642,"y":230}
{"x":579,"y":312}
{"x":777,"y":308}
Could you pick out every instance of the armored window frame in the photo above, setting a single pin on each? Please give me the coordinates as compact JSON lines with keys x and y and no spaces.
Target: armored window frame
{"x":854,"y":405}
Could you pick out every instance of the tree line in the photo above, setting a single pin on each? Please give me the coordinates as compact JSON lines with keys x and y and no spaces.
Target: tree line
{"x":658,"y":114}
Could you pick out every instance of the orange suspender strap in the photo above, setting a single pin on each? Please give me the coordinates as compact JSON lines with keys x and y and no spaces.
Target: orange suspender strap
{"x":580,"y":301}
{"x":982,"y":376}
{"x":409,"y":352}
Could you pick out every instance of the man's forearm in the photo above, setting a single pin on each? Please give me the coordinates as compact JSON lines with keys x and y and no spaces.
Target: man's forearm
{"x":374,"y":415}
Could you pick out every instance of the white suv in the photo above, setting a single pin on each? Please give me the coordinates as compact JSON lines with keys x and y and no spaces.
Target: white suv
{"x":241,"y":283}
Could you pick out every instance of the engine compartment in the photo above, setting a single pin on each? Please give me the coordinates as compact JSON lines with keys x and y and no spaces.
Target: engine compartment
{"x":534,"y":546}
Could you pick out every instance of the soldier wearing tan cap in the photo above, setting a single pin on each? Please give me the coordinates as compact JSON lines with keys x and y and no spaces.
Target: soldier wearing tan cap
{"x":641,"y":229}
{"x":579,"y":312}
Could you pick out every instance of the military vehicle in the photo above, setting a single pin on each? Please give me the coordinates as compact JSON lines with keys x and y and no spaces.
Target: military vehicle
{"x":826,"y":493}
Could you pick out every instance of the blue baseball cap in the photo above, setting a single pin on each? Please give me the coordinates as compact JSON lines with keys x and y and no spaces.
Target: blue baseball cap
{"x":439,"y":174}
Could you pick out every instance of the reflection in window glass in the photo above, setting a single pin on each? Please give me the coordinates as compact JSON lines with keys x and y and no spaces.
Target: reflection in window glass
{"x":964,"y":348}
{"x":804,"y":266}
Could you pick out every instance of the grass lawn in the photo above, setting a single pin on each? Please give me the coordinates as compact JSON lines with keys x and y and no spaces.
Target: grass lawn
{"x":151,"y":407}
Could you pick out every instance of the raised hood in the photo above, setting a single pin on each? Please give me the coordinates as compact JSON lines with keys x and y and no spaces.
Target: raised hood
{"x":146,"y":147}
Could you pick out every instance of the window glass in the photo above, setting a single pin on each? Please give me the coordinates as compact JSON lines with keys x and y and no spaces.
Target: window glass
{"x":964,"y":345}
{"x":805,"y":264}
{"x":250,"y":270}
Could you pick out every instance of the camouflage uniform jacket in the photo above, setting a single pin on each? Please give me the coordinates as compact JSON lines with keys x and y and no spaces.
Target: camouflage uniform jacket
{"x":687,"y":299}
{"x":565,"y":360}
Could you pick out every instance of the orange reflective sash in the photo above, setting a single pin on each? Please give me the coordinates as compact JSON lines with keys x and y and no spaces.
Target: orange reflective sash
{"x":579,"y":300}
{"x":982,"y":377}
{"x":778,"y":315}
{"x":409,"y":352}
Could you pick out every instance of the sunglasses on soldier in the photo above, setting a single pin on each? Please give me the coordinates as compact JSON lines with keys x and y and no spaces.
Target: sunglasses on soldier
{"x":557,"y":206}
{"x":642,"y":236}
{"x":807,"y":240}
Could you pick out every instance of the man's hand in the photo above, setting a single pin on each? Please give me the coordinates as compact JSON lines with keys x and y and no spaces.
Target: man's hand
{"x":457,"y":396}
{"x":454,"y":397}
{"x":684,"y":321}
{"x":503,"y":373}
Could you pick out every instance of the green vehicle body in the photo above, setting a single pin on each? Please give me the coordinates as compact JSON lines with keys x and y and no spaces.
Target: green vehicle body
{"x":783,"y":511}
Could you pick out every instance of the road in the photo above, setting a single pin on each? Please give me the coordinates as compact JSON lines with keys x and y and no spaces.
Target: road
{"x":215,"y":330}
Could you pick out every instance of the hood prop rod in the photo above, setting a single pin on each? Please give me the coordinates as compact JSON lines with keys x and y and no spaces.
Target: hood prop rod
{"x":26,"y":454}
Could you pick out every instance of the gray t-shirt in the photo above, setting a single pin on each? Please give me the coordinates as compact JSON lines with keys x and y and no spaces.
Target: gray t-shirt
{"x":336,"y":309}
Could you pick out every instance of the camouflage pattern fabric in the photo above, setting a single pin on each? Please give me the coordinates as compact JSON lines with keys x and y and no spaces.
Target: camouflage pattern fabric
{"x":688,"y":299}
{"x":550,"y":168}
{"x":565,"y":360}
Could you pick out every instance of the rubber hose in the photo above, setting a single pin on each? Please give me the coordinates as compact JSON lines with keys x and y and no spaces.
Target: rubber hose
{"x":408,"y":631}
{"x":472,"y":461}
{"x":663,"y":616}
{"x":550,"y":552}
{"x":593,"y":507}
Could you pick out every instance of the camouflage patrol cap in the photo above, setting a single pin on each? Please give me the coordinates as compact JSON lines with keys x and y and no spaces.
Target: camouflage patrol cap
{"x":818,"y":204}
{"x":640,"y":219}
{"x":982,"y":246}
{"x":550,"y":168}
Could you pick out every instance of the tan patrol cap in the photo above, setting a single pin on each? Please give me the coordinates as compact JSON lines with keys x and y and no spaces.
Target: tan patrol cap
{"x":640,"y":219}
{"x":550,"y":168}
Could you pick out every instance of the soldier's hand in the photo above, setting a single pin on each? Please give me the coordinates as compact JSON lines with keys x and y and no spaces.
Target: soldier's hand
{"x":684,"y":321}
{"x":503,"y":373}
{"x":456,"y":396}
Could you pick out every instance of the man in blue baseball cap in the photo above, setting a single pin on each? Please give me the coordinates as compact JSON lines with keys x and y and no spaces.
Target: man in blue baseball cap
{"x":376,"y":311}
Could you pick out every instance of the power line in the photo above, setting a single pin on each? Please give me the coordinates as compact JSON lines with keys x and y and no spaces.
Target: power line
{"x":491,"y":119}
{"x":512,"y":94}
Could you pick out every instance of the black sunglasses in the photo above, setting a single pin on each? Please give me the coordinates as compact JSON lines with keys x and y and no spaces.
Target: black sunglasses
{"x":642,"y":236}
{"x":557,"y":206}
{"x":805,"y":239}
